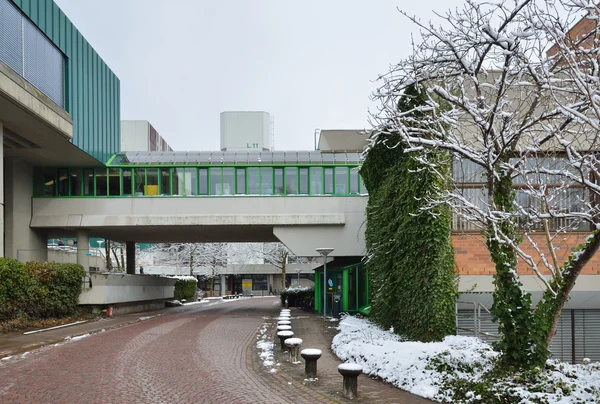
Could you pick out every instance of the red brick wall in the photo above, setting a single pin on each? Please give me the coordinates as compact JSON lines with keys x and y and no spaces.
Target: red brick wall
{"x":580,"y":30}
{"x":473,"y":258}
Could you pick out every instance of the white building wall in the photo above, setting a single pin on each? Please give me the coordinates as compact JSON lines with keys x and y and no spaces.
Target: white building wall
{"x":135,"y":135}
{"x":245,"y":130}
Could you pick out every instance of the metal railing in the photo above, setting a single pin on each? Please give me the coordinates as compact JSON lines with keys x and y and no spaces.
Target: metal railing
{"x":479,"y":317}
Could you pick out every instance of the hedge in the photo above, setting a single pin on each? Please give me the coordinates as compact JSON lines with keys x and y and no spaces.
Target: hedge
{"x":38,"y":290}
{"x":295,"y":296}
{"x":185,"y":287}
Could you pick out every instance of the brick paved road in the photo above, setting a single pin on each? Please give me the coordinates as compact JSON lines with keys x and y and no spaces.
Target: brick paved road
{"x":206,"y":355}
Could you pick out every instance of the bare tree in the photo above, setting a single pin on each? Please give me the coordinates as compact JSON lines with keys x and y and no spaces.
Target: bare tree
{"x":522,"y":125}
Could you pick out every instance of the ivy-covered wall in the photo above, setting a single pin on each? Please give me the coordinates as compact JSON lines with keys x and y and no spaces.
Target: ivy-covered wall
{"x":413,"y":283}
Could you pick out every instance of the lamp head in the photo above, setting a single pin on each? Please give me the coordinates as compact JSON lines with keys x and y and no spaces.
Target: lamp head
{"x":324,"y":251}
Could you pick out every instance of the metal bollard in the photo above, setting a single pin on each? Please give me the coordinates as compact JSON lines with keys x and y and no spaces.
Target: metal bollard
{"x":283,"y":335}
{"x":350,"y":371}
{"x":311,"y":356}
{"x":294,"y":345}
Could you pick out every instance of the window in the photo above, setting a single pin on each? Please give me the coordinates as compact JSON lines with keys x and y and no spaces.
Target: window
{"x":215,"y":181}
{"x":63,"y":182}
{"x":203,"y":181}
{"x":316,"y":180}
{"x":26,"y":50}
{"x":278,"y":181}
{"x":177,"y":182}
{"x":38,"y":175}
{"x":253,"y":181}
{"x":291,"y":180}
{"x":127,"y":184}
{"x":303,"y":181}
{"x":101,"y":182}
{"x":240,"y":186}
{"x":259,"y":282}
{"x":151,"y":187}
{"x":354,"y":181}
{"x":75,"y":176}
{"x":341,"y":179}
{"x":88,"y":181}
{"x":139,"y":181}
{"x":191,"y":181}
{"x":114,"y":182}
{"x":266,"y":180}
{"x":228,"y":180}
{"x":328,"y":177}
{"x":49,"y":182}
{"x":165,"y":181}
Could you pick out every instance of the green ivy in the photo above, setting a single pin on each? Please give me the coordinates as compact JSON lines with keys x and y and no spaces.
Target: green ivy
{"x":185,"y":289}
{"x":413,"y":282}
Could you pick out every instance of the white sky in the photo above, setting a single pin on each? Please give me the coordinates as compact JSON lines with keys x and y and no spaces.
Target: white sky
{"x":311,"y":64}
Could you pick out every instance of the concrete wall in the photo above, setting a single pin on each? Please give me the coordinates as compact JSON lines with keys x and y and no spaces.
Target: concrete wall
{"x":135,"y":136}
{"x":123,"y":288}
{"x":21,"y":241}
{"x":301,"y":223}
{"x":243,"y":130}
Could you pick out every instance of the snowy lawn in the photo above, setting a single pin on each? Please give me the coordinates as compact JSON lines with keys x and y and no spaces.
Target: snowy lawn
{"x":458,"y":369}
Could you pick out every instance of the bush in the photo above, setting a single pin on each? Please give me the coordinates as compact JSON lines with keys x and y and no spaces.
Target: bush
{"x":295,"y":296}
{"x":185,"y":288}
{"x":38,"y":290}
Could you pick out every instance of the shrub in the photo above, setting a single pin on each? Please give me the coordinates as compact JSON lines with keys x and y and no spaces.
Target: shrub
{"x":295,"y":296}
{"x":185,"y":288}
{"x":38,"y":290}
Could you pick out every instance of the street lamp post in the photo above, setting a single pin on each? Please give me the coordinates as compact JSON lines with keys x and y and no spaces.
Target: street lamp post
{"x":324,"y":252}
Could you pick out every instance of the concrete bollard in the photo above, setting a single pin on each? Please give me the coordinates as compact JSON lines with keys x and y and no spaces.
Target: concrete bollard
{"x":350,"y":371}
{"x":294,"y":345}
{"x":284,"y":327}
{"x":311,"y":356}
{"x":284,"y":322}
{"x":283,"y":335}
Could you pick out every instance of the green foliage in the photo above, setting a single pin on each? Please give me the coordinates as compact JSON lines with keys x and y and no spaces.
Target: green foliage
{"x":295,"y":296}
{"x":413,"y":283}
{"x":185,"y":289}
{"x":34,"y":290}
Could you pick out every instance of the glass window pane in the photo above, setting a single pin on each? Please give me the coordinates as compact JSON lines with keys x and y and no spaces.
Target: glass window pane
{"x":216,"y":187}
{"x":240,"y":186}
{"x":354,"y":181}
{"x":75,"y":180}
{"x":101,"y":182}
{"x":316,"y":180}
{"x":191,"y":181}
{"x":303,"y":179}
{"x":165,"y":181}
{"x":228,"y":180}
{"x":279,"y":181}
{"x":88,"y":181}
{"x":328,"y":180}
{"x":177,"y":181}
{"x":38,"y":175}
{"x":114,"y":182}
{"x":363,"y":189}
{"x":63,"y":182}
{"x":253,"y":181}
{"x":341,"y":179}
{"x":291,"y":180}
{"x":127,"y":184}
{"x":139,"y":181}
{"x":49,"y":182}
{"x":266,"y":179}
{"x":151,"y":182}
{"x":203,"y":179}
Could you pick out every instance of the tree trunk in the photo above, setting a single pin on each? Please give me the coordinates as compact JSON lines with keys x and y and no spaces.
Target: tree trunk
{"x":283,"y":265}
{"x":107,"y":255}
{"x":116,"y":259}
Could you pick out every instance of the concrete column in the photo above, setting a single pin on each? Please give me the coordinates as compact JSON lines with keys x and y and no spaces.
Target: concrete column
{"x":1,"y":190}
{"x":130,"y":252}
{"x":83,"y":248}
{"x":224,"y":285}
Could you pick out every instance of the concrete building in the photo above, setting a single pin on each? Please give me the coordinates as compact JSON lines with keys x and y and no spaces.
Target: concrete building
{"x":141,"y":136}
{"x":243,"y":130}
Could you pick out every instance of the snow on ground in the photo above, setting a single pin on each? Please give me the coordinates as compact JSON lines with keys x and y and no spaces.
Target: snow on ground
{"x":412,"y":365}
{"x":265,"y":348}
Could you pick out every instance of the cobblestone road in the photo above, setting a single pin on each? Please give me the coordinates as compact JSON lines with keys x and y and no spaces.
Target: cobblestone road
{"x":206,"y":355}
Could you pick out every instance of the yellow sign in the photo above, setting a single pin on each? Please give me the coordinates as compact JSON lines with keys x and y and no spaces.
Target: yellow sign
{"x":246,"y":283}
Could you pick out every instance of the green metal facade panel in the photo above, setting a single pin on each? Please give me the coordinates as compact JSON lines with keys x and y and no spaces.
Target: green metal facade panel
{"x":92,"y":90}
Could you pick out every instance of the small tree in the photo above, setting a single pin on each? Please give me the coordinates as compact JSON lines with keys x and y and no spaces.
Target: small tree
{"x":515,"y":120}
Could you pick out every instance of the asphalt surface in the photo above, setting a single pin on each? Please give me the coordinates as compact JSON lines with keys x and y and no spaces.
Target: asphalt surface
{"x":196,"y":354}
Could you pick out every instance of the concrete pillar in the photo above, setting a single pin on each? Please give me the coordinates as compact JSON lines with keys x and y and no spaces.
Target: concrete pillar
{"x":224,"y":285}
{"x":83,"y":248}
{"x":130,"y":252}
{"x":1,"y":190}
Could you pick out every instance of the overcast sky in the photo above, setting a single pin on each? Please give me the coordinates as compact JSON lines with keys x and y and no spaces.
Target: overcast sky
{"x":311,"y":64}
